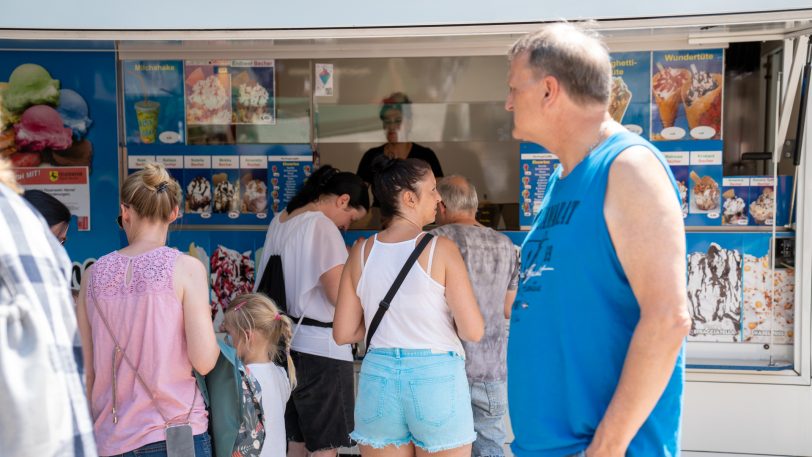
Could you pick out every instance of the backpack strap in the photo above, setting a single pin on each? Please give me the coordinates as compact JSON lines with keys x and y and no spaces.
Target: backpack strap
{"x":383,"y":306}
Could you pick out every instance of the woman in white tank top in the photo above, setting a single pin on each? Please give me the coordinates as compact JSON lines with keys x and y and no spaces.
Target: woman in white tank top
{"x":413,"y":395}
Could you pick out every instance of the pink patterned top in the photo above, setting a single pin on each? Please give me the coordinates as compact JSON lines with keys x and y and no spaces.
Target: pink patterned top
{"x":138,"y":299}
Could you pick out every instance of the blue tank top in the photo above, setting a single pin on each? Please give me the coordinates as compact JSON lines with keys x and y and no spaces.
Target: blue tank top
{"x":573,"y":320}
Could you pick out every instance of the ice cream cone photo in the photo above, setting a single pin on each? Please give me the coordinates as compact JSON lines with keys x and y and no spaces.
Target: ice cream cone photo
{"x":703,"y":102}
{"x":619,"y":99}
{"x":667,"y":85}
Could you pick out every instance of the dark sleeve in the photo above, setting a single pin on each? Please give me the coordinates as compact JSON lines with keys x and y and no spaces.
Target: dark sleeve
{"x":424,"y":153}
{"x":365,"y":165}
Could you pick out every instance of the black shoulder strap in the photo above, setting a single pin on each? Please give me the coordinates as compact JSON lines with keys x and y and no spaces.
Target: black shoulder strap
{"x":272,"y":283}
{"x":387,"y":300}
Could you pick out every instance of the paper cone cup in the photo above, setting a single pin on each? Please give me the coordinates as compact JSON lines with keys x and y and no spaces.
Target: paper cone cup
{"x":706,"y":109}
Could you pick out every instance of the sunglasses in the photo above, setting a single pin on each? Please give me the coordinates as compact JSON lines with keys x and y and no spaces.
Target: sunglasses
{"x":118,"y":219}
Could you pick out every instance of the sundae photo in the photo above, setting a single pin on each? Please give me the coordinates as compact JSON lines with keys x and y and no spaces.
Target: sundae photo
{"x":703,"y":100}
{"x":619,"y":98}
{"x":734,"y":209}
{"x":763,"y":208}
{"x":226,"y":194}
{"x":207,"y":99}
{"x":251,"y":100}
{"x":683,"y":196}
{"x":667,"y":86}
{"x":232,"y":274}
{"x":705,"y":192}
{"x":198,"y":195}
{"x":255,"y":197}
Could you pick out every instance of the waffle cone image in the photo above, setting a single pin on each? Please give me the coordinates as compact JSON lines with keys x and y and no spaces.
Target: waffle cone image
{"x":704,"y":109}
{"x":619,"y":99}
{"x":667,"y":86}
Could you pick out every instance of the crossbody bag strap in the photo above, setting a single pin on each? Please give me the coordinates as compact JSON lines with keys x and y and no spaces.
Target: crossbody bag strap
{"x":118,"y":349}
{"x":383,"y":307}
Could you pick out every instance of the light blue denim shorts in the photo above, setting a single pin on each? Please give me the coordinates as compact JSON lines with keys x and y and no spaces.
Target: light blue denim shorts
{"x":413,"y":395}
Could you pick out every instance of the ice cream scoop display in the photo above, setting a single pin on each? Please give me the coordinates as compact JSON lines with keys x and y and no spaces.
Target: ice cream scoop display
{"x":41,"y":128}
{"x":74,"y":111}
{"x":715,"y":293}
{"x":29,"y":85}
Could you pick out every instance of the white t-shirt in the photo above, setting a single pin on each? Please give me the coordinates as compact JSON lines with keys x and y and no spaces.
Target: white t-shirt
{"x":275,"y":387}
{"x":310,"y":245}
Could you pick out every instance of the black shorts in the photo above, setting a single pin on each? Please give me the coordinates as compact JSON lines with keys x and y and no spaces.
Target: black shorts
{"x":320,"y":410}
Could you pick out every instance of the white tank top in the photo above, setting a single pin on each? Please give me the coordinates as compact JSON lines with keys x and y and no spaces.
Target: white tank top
{"x":418,"y":317}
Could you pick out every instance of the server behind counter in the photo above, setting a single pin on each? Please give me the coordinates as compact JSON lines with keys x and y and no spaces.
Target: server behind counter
{"x":396,"y":115}
{"x":305,"y":240}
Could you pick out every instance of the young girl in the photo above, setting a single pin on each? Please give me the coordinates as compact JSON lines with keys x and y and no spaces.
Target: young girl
{"x":257,"y":330}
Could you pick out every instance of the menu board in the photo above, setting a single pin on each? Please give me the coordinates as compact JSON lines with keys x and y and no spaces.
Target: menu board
{"x":537,"y":168}
{"x":734,"y":293}
{"x":232,"y":189}
{"x":287,"y":174}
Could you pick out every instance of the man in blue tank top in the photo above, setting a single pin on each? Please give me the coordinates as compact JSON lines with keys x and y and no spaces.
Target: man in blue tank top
{"x":595,"y":353}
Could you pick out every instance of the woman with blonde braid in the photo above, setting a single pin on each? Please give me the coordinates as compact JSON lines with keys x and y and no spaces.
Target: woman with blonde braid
{"x":257,"y":330}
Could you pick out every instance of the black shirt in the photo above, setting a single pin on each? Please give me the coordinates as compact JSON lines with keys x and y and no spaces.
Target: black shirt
{"x":417,"y":152}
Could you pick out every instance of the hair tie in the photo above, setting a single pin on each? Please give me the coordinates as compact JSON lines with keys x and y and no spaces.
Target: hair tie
{"x":278,"y":317}
{"x":161,"y":187}
{"x":328,"y":176}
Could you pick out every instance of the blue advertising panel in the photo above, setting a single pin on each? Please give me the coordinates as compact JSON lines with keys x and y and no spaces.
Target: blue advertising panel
{"x":59,"y":129}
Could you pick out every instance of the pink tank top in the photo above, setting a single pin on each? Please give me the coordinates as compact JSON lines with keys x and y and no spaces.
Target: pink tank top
{"x":137,"y":296}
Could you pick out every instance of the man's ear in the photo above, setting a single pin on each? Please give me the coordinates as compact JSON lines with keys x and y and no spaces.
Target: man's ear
{"x":550,"y":88}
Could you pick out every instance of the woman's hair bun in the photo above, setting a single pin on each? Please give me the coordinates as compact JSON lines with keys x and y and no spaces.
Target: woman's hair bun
{"x":382,"y":163}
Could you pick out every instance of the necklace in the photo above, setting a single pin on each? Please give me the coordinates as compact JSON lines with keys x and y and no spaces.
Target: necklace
{"x":410,"y":221}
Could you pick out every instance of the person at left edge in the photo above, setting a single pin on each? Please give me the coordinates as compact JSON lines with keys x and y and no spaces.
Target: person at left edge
{"x":44,"y":409}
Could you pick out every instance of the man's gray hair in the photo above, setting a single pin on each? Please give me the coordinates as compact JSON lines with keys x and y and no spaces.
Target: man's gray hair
{"x":458,"y":198}
{"x":574,"y":55}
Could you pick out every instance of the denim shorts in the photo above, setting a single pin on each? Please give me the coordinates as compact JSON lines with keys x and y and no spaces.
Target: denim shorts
{"x":413,"y":395}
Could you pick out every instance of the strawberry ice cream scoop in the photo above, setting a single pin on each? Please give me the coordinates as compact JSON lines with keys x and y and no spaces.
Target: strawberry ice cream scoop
{"x":40,"y":128}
